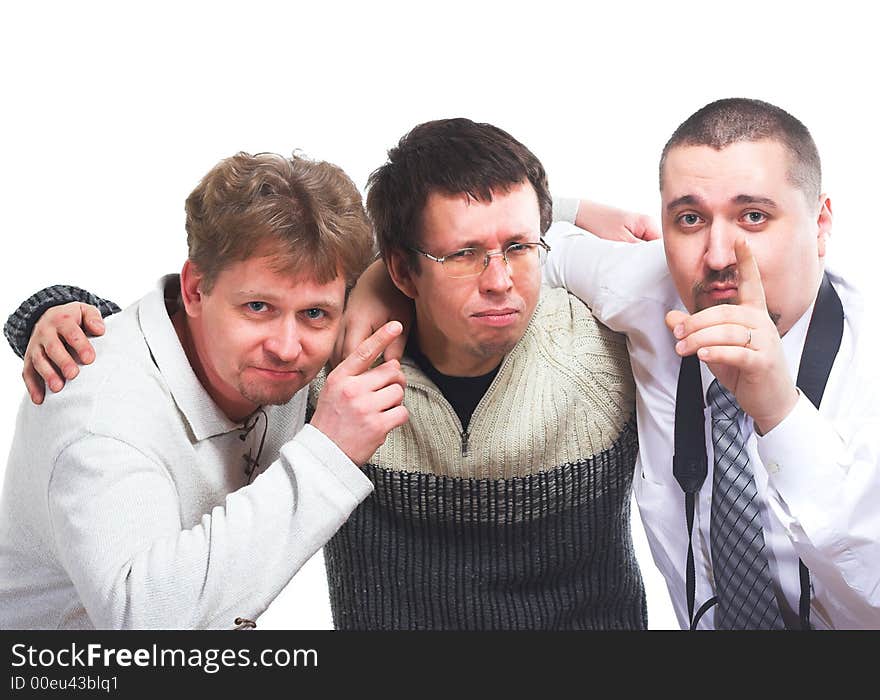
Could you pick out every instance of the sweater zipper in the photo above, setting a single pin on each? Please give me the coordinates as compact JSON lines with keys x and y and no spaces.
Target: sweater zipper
{"x":465,"y":434}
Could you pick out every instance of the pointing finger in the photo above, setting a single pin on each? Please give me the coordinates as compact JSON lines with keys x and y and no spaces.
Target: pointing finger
{"x":388,"y":372}
{"x":751,"y":291}
{"x":356,"y":331}
{"x":395,"y":349}
{"x":366,"y":353}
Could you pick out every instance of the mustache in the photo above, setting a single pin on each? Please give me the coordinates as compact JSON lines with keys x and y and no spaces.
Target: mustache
{"x":726,"y":276}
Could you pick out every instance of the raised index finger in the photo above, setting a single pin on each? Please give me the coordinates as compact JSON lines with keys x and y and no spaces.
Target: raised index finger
{"x":751,"y":290}
{"x":366,"y":352}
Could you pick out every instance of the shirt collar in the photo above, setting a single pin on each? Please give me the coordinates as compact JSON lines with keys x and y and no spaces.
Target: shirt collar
{"x":204,"y":417}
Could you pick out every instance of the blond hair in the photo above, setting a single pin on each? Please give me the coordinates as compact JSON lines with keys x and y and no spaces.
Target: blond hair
{"x":308,"y":212}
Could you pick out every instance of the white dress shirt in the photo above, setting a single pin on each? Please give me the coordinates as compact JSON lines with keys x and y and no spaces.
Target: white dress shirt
{"x":126,"y":502}
{"x":817,"y":473}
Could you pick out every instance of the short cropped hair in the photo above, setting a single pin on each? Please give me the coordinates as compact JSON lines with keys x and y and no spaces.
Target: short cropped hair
{"x":308,"y":213}
{"x":450,"y":156}
{"x":724,"y":122}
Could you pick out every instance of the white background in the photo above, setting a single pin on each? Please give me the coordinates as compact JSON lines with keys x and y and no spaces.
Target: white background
{"x":112,"y":112}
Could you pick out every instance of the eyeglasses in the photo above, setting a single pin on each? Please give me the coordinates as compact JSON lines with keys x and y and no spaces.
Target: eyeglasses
{"x":470,"y":262}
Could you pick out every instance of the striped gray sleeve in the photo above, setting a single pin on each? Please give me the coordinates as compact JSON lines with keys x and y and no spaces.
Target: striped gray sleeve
{"x":21,"y":322}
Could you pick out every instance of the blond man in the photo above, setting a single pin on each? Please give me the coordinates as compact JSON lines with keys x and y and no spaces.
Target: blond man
{"x":176,"y":484}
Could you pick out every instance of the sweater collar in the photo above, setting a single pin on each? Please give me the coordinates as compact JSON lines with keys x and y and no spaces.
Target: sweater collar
{"x":417,"y":377}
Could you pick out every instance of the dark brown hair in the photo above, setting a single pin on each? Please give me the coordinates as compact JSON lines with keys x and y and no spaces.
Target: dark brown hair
{"x":309,"y":212}
{"x":724,"y":122}
{"x":451,"y":156}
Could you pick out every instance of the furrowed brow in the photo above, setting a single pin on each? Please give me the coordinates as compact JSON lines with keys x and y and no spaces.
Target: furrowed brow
{"x":752,"y":199}
{"x":686,"y":200}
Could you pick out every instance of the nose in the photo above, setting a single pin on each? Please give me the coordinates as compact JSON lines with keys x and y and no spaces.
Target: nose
{"x":496,"y":276}
{"x":285,"y":342}
{"x":719,"y":252}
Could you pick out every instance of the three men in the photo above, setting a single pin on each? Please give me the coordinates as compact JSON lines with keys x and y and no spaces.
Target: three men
{"x":745,"y":237}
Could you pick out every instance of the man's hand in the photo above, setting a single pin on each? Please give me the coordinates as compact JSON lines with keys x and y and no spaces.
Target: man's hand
{"x":58,"y":342}
{"x":359,"y":406}
{"x":374,"y":301}
{"x":742,"y":347}
{"x":614,"y":224}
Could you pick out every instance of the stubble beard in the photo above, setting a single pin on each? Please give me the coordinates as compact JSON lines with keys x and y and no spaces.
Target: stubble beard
{"x":266,"y":395}
{"x":727,"y":275}
{"x":497,"y":349}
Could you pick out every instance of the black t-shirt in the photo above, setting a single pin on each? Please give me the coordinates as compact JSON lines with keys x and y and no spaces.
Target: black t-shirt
{"x":463,"y":393}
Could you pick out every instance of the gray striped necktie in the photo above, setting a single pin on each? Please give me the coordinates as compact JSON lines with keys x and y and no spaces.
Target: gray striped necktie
{"x":746,"y":598}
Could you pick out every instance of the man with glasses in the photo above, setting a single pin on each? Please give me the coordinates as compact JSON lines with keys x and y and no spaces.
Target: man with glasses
{"x":504,"y":502}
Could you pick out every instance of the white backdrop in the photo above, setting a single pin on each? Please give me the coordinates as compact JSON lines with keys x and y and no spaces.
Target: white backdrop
{"x":113,"y":112}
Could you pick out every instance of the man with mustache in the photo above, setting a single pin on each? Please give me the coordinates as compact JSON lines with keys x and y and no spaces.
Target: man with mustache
{"x":758,"y":462}
{"x":766,"y":436}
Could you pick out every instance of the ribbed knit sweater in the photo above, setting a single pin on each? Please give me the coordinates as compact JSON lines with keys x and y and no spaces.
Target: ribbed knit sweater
{"x":519,"y":522}
{"x":522,"y":521}
{"x":21,"y":322}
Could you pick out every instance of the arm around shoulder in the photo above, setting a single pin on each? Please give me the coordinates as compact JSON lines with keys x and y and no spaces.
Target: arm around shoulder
{"x":21,"y":322}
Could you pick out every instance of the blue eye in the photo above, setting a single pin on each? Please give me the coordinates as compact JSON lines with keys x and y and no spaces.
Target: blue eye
{"x":256,"y":306}
{"x":755,"y":217}
{"x":315,"y":314}
{"x":689,"y":219}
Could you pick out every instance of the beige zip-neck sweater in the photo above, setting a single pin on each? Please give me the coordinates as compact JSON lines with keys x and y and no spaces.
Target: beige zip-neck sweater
{"x":522,"y":520}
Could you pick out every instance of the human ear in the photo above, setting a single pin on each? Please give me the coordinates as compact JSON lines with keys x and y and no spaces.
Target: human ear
{"x":401,"y":273}
{"x":191,"y":292}
{"x":823,"y":222}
